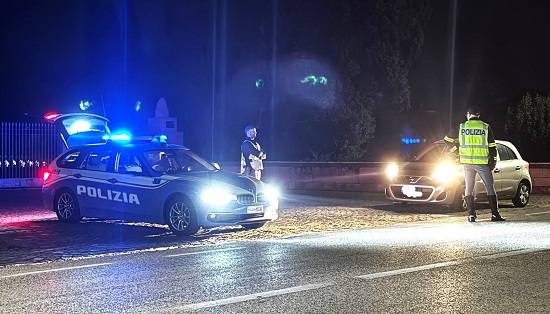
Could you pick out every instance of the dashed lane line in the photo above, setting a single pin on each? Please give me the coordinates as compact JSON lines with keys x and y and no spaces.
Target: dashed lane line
{"x":539,"y":213}
{"x":205,"y":252}
{"x":248,"y":297}
{"x":272,"y":293}
{"x":408,"y":270}
{"x":54,"y":270}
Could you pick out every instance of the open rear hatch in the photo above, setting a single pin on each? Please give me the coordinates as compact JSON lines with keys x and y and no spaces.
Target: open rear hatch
{"x":77,"y":129}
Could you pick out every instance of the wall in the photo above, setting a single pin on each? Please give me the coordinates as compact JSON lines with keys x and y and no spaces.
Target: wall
{"x":327,"y":176}
{"x":352,"y":176}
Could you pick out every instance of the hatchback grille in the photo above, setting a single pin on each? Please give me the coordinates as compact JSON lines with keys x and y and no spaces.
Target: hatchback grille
{"x":426,"y":193}
{"x":412,"y":179}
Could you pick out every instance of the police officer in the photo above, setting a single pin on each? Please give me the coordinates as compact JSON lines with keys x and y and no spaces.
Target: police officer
{"x":478,"y":154}
{"x":252,"y":155}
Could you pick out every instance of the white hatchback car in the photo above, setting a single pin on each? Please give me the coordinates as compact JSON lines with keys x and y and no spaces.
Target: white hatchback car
{"x":431,"y":178}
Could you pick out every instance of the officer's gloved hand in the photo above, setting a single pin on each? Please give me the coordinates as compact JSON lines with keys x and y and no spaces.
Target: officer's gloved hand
{"x":263,"y":155}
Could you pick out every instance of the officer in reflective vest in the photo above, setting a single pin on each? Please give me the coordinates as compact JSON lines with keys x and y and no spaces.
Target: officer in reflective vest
{"x":478,"y":154}
{"x":252,"y":155}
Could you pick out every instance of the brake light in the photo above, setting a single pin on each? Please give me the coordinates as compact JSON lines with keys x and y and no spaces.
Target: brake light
{"x":46,"y":175}
{"x":51,"y":116}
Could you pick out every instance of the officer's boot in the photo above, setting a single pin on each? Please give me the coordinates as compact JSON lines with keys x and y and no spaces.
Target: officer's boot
{"x":470,"y":206}
{"x":493,"y":203}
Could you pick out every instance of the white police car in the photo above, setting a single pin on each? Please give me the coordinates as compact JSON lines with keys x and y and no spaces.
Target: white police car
{"x":154,"y":182}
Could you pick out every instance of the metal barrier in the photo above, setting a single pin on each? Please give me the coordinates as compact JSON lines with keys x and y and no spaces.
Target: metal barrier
{"x":26,"y":148}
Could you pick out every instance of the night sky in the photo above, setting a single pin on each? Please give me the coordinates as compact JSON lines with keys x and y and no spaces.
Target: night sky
{"x":57,"y":53}
{"x":500,"y":54}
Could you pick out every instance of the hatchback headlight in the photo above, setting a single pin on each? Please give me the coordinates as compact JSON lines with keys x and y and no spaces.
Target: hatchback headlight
{"x":217,"y":197}
{"x":392,"y":171}
{"x":445,"y":172}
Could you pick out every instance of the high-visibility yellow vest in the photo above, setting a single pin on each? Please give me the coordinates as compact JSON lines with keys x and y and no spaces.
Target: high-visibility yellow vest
{"x":473,"y":142}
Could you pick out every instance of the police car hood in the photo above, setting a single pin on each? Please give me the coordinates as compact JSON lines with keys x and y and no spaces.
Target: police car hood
{"x":225,"y":180}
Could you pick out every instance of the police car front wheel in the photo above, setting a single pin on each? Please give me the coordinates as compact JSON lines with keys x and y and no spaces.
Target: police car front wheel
{"x":255,"y":225}
{"x":180,"y":216}
{"x":66,"y":207}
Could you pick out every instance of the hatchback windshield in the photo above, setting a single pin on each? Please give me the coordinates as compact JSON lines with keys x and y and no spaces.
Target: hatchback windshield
{"x":434,"y":153}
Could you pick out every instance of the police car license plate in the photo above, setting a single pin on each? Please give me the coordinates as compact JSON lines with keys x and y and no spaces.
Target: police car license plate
{"x":255,"y":209}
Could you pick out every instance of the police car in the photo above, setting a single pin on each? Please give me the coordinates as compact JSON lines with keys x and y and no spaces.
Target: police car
{"x":150,"y":181}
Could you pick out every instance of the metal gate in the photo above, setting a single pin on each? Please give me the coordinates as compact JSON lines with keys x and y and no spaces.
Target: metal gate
{"x":26,"y":149}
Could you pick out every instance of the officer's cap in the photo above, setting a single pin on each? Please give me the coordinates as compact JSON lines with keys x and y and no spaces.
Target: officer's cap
{"x":474,"y":110}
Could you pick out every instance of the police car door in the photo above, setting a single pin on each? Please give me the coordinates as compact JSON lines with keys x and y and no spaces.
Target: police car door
{"x":92,"y":188}
{"x":134,"y":186}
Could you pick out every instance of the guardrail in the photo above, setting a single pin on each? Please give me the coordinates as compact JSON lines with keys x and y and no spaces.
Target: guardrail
{"x":325,"y":176}
{"x":352,"y":176}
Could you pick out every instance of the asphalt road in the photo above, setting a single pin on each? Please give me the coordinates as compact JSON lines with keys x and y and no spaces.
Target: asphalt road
{"x":31,"y":234}
{"x":324,"y":255}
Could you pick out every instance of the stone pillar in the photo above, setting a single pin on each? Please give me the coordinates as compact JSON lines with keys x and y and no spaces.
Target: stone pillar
{"x":162,"y":123}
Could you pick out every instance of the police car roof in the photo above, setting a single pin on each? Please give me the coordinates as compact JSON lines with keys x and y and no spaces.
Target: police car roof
{"x":147,"y":146}
{"x":140,"y":145}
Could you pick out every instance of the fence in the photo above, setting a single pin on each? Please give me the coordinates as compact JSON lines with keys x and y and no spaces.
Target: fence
{"x":26,"y":148}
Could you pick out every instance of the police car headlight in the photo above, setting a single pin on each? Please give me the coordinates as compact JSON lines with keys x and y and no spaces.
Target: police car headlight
{"x":272,"y":196}
{"x":217,"y":197}
{"x":392,"y":171}
{"x":444,"y":172}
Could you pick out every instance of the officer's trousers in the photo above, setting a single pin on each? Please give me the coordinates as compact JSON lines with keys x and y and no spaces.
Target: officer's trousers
{"x":253,"y":173}
{"x":485,"y":174}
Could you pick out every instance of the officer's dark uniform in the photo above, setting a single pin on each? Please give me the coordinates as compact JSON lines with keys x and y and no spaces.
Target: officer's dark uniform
{"x":252,"y":155}
{"x":478,"y":154}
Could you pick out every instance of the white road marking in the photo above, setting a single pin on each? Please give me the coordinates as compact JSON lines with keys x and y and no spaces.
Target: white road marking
{"x":408,"y":270}
{"x":539,"y":213}
{"x":511,"y":253}
{"x":273,"y":293}
{"x":204,"y":252}
{"x":54,"y":270}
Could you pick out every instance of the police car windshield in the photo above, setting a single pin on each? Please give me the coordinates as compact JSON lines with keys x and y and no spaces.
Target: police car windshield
{"x":176,"y":161}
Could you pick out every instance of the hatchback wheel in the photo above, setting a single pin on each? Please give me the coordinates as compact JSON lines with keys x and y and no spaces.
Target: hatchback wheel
{"x":459,"y":204}
{"x":180,"y":216}
{"x":522,"y":195}
{"x":66,"y":207}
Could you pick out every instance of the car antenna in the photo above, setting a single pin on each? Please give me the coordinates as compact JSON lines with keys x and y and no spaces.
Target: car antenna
{"x":103,"y":105}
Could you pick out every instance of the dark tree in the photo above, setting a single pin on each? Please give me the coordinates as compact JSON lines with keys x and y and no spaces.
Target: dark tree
{"x":371,"y":46}
{"x":528,"y":127}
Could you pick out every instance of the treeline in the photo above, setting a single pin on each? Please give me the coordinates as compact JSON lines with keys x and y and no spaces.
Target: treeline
{"x":528,"y":127}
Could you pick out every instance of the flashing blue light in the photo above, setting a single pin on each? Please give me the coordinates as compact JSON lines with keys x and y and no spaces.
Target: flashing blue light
{"x":412,"y":140}
{"x":119,"y":136}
